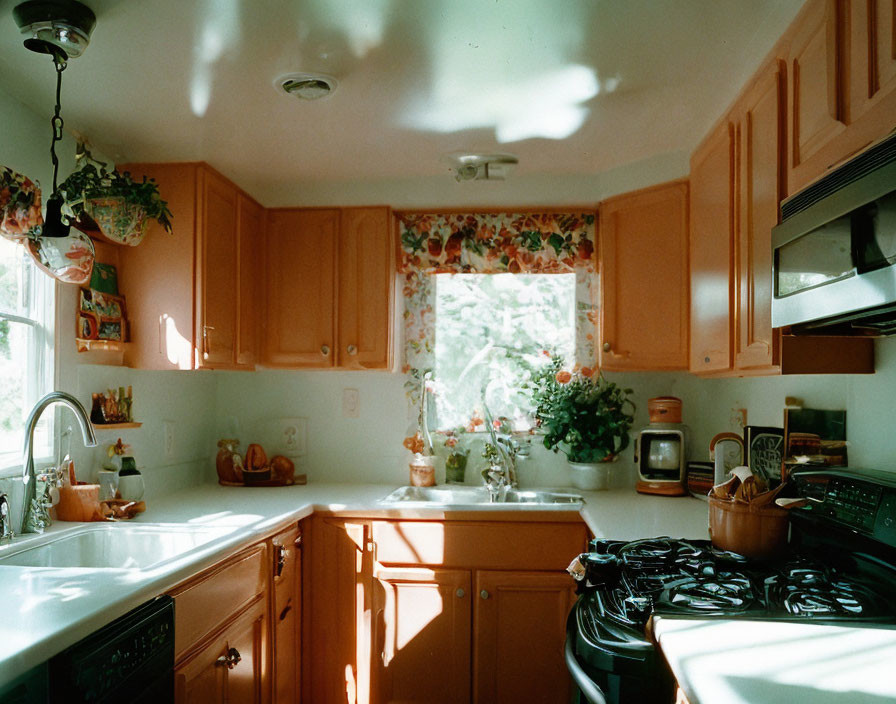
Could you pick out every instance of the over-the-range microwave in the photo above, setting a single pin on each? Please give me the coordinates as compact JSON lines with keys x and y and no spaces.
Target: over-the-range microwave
{"x":834,"y":252}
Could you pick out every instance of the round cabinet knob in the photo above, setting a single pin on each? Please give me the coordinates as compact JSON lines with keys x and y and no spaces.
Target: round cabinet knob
{"x":606,"y":347}
{"x":352,"y":349}
{"x":706,"y":360}
{"x":460,"y":593}
{"x":230,"y":659}
{"x":325,"y":350}
{"x":484,"y":594}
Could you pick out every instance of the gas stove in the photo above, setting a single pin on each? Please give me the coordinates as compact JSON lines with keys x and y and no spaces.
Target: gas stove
{"x":840,"y":566}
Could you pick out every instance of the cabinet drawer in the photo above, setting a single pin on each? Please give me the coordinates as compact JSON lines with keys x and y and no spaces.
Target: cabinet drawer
{"x":496,"y":545}
{"x":207,"y":600}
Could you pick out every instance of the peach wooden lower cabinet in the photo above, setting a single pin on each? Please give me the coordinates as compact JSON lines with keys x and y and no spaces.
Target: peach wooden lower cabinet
{"x":237,"y":628}
{"x":437,"y":611}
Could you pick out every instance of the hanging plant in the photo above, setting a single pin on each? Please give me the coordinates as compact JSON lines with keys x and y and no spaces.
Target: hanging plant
{"x":113,"y":203}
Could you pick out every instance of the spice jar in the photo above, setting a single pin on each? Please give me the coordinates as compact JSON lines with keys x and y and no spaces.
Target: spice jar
{"x":224,"y":462}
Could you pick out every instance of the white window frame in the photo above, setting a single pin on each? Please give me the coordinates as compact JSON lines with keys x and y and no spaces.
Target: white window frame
{"x":37,"y":308}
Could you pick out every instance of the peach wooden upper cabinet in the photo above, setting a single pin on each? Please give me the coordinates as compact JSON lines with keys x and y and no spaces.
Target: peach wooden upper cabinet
{"x":193,"y":296}
{"x":644,"y":279}
{"x":842,"y":91}
{"x":759,"y":186}
{"x":712,"y":252}
{"x":328,"y":288}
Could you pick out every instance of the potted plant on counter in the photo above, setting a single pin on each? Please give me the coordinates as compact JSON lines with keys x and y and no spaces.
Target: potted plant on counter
{"x":113,"y":204}
{"x":584,"y":416}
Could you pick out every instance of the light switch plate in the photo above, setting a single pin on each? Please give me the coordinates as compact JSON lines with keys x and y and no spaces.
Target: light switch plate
{"x":351,"y":403}
{"x":292,"y":438}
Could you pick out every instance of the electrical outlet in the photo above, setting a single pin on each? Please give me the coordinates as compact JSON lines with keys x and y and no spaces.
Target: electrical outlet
{"x":168,"y":439}
{"x":351,"y":403}
{"x":292,"y":437}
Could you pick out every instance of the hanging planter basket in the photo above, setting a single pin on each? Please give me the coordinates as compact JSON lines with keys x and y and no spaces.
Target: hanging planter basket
{"x":112,"y":205}
{"x":117,"y":220}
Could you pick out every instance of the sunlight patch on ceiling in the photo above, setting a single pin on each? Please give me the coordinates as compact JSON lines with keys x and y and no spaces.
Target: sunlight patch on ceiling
{"x":508,"y":67}
{"x":219,"y":31}
{"x":362,"y":23}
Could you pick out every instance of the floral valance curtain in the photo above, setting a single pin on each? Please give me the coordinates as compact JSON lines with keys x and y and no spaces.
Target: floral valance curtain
{"x":487,"y":243}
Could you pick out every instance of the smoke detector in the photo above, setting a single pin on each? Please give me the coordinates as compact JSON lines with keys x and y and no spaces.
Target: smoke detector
{"x":469,"y":166}
{"x":52,"y":26}
{"x":307,"y":86}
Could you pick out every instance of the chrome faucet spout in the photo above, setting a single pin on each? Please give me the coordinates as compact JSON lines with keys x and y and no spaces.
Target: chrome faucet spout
{"x":28,"y":475}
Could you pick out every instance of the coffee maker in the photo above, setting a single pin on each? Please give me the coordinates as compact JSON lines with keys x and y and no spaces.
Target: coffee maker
{"x":660,"y":450}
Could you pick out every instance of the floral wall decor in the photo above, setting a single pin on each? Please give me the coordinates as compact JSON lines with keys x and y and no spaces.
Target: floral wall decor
{"x":20,"y":214}
{"x":486,"y":243}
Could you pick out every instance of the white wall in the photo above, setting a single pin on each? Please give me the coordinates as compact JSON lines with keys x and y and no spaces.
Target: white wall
{"x":368,"y":448}
{"x":184,"y":399}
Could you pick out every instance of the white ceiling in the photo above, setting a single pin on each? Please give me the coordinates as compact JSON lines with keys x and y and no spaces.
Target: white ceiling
{"x":574,"y":88}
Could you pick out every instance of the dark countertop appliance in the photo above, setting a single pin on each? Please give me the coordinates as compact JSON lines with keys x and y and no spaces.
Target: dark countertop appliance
{"x":840,"y":567}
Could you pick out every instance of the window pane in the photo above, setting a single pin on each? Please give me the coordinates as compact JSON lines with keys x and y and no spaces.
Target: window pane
{"x":490,"y":332}
{"x":14,"y":344}
{"x":12,"y":272}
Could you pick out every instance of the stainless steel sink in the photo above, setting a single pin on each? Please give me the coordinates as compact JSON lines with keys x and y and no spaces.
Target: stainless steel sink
{"x":474,"y":496}
{"x":111,"y":546}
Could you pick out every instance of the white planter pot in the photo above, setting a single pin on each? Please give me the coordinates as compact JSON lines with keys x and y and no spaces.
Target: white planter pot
{"x":589,"y":476}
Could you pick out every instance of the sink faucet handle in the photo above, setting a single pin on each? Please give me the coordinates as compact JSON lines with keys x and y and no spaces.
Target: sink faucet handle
{"x":6,"y":532}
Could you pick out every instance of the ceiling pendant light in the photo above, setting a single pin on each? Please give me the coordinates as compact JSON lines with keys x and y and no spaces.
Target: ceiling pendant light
{"x":60,"y":28}
{"x":55,"y":25}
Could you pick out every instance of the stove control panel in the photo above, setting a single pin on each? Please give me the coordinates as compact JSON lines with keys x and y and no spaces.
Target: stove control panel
{"x":863,"y":504}
{"x":845,"y":500}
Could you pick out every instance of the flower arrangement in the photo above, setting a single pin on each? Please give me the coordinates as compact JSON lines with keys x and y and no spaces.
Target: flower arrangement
{"x":580,"y":413}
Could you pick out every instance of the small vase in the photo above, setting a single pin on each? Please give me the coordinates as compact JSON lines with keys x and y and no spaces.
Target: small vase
{"x":590,"y":476}
{"x":423,"y":471}
{"x":455,"y":467}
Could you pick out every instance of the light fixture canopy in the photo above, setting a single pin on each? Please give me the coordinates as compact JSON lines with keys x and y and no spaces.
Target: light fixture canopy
{"x":55,"y":25}
{"x":474,"y":166}
{"x":307,"y":86}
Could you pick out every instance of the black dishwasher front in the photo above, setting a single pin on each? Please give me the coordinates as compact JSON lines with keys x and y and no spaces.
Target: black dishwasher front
{"x":130,"y":660}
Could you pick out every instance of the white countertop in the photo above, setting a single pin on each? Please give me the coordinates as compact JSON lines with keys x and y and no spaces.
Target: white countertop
{"x":45,"y":610}
{"x":750,"y":662}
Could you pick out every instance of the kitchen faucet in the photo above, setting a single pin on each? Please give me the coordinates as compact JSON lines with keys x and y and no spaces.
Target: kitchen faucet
{"x":35,"y":517}
{"x":500,"y":475}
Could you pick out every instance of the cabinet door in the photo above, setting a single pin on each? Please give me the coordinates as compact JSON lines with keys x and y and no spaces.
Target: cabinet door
{"x":299,"y":274}
{"x":759,"y":190}
{"x":366,"y":272}
{"x":157,"y":276}
{"x":231,"y":668}
{"x":644,"y":279}
{"x":421,"y":649}
{"x":519,"y":622}
{"x":712,"y":252}
{"x":217,"y":271}
{"x":872,"y":62}
{"x":250,"y":233}
{"x":816,"y":102}
{"x":336,"y":612}
{"x":285,"y":621}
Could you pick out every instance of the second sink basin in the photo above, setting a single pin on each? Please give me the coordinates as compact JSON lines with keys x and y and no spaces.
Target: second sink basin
{"x":111,"y":546}
{"x":469,"y":495}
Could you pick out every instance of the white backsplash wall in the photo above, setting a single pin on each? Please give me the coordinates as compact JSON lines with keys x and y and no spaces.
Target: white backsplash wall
{"x":185,"y":400}
{"x":867,"y":399}
{"x":369,"y":448}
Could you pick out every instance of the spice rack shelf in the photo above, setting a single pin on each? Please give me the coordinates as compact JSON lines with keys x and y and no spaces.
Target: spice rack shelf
{"x":115,"y":426}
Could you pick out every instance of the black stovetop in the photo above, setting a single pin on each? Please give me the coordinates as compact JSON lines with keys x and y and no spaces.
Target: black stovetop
{"x":627,"y":582}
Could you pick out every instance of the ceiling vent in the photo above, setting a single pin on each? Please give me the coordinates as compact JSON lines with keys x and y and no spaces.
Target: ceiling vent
{"x":307,"y":86}
{"x":481,"y":167}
